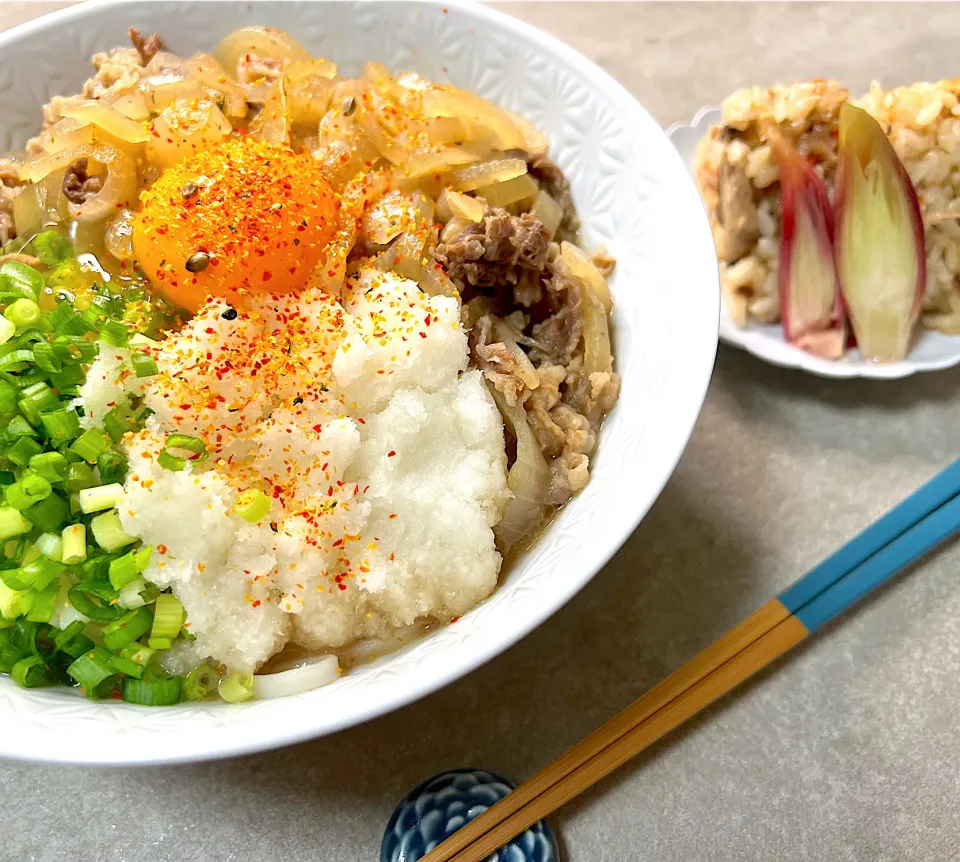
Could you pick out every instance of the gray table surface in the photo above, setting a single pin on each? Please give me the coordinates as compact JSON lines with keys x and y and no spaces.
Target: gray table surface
{"x":847,"y":750}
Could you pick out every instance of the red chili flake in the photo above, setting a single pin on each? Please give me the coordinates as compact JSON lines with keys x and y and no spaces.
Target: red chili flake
{"x":361,"y":421}
{"x":317,"y":428}
{"x":391,"y":453}
{"x":423,"y":334}
{"x":455,"y":619}
{"x":337,"y":544}
{"x":277,"y":490}
{"x":267,"y":276}
{"x":342,"y":586}
{"x":256,"y":604}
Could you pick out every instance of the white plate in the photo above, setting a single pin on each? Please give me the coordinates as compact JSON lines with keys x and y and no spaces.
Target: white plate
{"x":634,"y":194}
{"x":931,"y":351}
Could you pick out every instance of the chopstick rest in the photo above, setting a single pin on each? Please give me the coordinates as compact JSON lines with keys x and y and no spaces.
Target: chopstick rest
{"x":441,"y":805}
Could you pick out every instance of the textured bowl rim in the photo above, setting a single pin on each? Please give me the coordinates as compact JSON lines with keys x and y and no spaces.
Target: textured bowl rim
{"x":683,"y":420}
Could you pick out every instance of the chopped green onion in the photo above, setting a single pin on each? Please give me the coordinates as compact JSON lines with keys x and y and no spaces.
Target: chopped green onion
{"x":237,"y":687}
{"x":138,"y":653}
{"x":13,"y":361}
{"x":167,"y":617}
{"x":79,"y":476}
{"x":36,"y":399}
{"x":160,"y":643}
{"x":78,"y":646}
{"x":12,"y":523}
{"x":8,"y":400}
{"x":128,"y":628}
{"x":130,"y":594}
{"x":21,"y":451}
{"x":90,"y":445}
{"x":201,"y":683}
{"x":153,"y":692}
{"x":100,"y":498}
{"x":50,"y":514}
{"x":64,"y":318}
{"x":22,"y":313}
{"x":115,"y":333}
{"x":61,"y":424}
{"x":52,"y":466}
{"x":185,"y":442}
{"x":7,"y":330}
{"x":19,"y":278}
{"x":30,"y":672}
{"x":52,"y":247}
{"x":252,"y":505}
{"x":68,"y":635}
{"x":126,"y":666}
{"x":44,"y":602}
{"x":18,"y":427}
{"x":108,"y":531}
{"x":119,"y":421}
{"x":90,"y":669}
{"x":126,"y":569}
{"x":75,"y":348}
{"x":91,"y":605}
{"x":74,"y":544}
{"x":112,"y":466}
{"x":143,"y":364}
{"x":51,"y":546}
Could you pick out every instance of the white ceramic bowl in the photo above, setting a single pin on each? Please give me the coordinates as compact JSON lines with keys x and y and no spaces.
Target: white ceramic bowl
{"x":634,"y":194}
{"x":932,"y":351}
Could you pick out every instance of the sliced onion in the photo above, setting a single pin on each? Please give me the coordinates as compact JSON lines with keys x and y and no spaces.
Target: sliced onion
{"x":535,"y":143}
{"x":29,"y":210}
{"x":206,"y":70}
{"x":522,"y":188}
{"x":308,"y":86}
{"x":451,"y":203}
{"x":119,"y":188}
{"x":104,"y":116}
{"x":268,"y":43}
{"x":445,"y":130}
{"x":118,"y":235}
{"x":548,"y":211}
{"x":586,"y":271}
{"x":528,"y":479}
{"x":40,"y":205}
{"x":507,"y":336}
{"x":159,"y":91}
{"x":66,"y":133}
{"x":184,"y":127}
{"x":388,"y":218}
{"x":133,"y":106}
{"x":314,"y":674}
{"x":485,"y":174}
{"x":488,"y":122}
{"x":434,"y":280}
{"x":596,"y":335}
{"x":272,"y":123}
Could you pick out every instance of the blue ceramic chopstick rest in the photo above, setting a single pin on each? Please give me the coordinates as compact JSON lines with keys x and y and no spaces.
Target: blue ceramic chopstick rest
{"x":438,"y":807}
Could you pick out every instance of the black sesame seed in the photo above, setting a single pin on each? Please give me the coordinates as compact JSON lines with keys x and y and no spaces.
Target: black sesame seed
{"x":229,"y":314}
{"x":197,"y":262}
{"x":298,"y":400}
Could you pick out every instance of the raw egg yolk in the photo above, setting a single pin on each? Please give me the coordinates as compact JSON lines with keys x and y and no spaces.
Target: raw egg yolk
{"x":243,"y":217}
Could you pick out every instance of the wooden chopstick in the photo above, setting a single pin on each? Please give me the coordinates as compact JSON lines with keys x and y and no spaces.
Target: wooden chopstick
{"x":902,"y":535}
